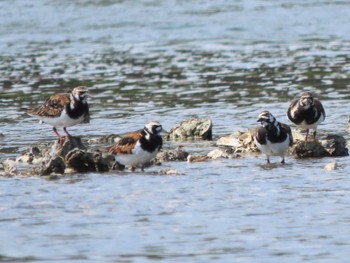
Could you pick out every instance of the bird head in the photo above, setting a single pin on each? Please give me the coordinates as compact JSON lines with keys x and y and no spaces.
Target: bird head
{"x":266,"y":118}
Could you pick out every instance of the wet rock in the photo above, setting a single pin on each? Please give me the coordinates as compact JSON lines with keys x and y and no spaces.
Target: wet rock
{"x":331,"y":166}
{"x":240,"y":142}
{"x":117,"y":166}
{"x":68,"y":145}
{"x":333,"y":145}
{"x":79,"y":161}
{"x":10,"y":167}
{"x":306,"y":149}
{"x":177,"y":154}
{"x":196,"y":159}
{"x":192,"y":129}
{"x":168,"y":172}
{"x":107,"y":139}
{"x":71,"y":157}
{"x":224,"y":152}
{"x":53,"y":166}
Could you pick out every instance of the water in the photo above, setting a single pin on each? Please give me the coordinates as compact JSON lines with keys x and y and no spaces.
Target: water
{"x":170,"y":60}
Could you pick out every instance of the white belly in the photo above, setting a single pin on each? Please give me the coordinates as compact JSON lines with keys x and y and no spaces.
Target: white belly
{"x":273,"y":149}
{"x":138,"y":157}
{"x":62,"y":121}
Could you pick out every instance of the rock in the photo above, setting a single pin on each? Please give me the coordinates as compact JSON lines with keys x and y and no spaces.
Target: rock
{"x":192,"y":129}
{"x":331,"y":166}
{"x":224,"y":152}
{"x":68,"y":145}
{"x":196,"y":159}
{"x":303,"y":149}
{"x":168,"y":172}
{"x":240,"y":141}
{"x":53,"y":166}
{"x":79,"y":161}
{"x":71,"y":157}
{"x":177,"y":154}
{"x":333,"y":145}
{"x":10,"y":168}
{"x":107,"y":139}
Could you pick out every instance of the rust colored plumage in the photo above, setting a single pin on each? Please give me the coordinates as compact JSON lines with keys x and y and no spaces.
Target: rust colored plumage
{"x":126,"y":144}
{"x":52,"y":107}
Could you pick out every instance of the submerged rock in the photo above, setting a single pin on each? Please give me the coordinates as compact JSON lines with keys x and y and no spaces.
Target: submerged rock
{"x":192,"y":129}
{"x":331,"y":166}
{"x":196,"y":159}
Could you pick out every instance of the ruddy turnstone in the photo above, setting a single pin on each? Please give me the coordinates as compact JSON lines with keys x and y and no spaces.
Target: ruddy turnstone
{"x":64,"y":110}
{"x":273,"y":138}
{"x":306,"y":112}
{"x":138,"y":148}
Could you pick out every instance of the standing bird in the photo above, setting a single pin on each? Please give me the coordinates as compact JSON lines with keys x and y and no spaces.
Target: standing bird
{"x":273,"y":137}
{"x":306,"y":112}
{"x":138,"y":148}
{"x":64,"y":110}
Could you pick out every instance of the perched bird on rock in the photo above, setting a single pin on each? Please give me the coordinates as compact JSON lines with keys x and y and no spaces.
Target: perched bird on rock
{"x":307,"y":113}
{"x":138,"y":148}
{"x":273,"y":138}
{"x":64,"y":110}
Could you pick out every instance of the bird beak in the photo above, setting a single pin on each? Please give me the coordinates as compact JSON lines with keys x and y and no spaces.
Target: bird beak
{"x":260,"y":120}
{"x":164,"y":132}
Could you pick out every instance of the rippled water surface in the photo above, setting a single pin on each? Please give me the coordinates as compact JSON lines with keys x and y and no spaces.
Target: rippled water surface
{"x":170,"y":60}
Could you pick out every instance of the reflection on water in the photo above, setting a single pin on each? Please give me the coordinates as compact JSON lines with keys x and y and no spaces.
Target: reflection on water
{"x":166,"y":60}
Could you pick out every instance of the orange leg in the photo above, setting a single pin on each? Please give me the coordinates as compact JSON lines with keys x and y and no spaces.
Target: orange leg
{"x":65,"y":130}
{"x":60,"y":138}
{"x":133,"y":168}
{"x":307,"y":134}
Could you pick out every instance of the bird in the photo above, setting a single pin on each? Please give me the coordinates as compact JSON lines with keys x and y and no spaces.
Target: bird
{"x":272,"y":138}
{"x":307,"y":113}
{"x":138,"y":148}
{"x":64,"y":110}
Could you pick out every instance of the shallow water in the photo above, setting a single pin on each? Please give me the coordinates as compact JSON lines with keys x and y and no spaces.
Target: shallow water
{"x":167,"y":60}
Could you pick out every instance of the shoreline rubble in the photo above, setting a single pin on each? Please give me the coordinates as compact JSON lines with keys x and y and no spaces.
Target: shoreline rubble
{"x":74,"y":156}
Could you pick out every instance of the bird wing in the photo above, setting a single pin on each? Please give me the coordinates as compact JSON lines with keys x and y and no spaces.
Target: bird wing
{"x":126,"y":144}
{"x":289,"y":132}
{"x":291,"y":110}
{"x":261,"y":135}
{"x":52,"y":107}
{"x":318,"y":105}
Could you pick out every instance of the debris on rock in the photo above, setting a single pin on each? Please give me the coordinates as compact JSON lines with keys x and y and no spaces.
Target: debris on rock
{"x":192,"y":129}
{"x":331,"y":166}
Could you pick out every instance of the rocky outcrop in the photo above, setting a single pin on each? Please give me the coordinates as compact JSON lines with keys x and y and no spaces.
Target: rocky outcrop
{"x":243,"y":142}
{"x":74,"y":156}
{"x":192,"y":129}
